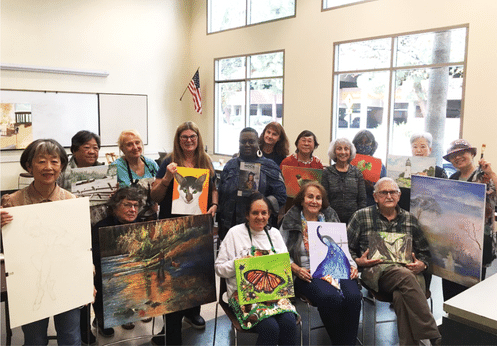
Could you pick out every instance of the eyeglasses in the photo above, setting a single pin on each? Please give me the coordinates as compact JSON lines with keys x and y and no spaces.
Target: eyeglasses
{"x":386,"y":193}
{"x":185,"y":138}
{"x":128,"y":205}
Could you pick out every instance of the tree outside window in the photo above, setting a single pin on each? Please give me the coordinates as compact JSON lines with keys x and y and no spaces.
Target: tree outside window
{"x":229,"y":14}
{"x":248,"y":92}
{"x":396,"y":86}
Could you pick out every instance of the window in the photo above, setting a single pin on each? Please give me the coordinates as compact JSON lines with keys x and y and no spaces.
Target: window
{"x":396,"y":86}
{"x":329,"y":4}
{"x":229,"y":14}
{"x":248,"y":92}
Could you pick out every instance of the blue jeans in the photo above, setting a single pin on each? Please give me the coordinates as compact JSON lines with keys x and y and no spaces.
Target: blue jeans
{"x":277,"y":330}
{"x":66,"y":325}
{"x":339,"y":313}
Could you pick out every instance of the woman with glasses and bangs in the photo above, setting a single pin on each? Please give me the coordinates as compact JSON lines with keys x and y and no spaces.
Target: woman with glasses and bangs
{"x":188,"y":151}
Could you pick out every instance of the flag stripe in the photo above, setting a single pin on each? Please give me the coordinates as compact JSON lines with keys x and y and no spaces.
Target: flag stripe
{"x":194,"y":88}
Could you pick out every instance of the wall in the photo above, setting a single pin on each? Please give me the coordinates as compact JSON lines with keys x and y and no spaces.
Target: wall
{"x":308,"y":43}
{"x":142,"y":44}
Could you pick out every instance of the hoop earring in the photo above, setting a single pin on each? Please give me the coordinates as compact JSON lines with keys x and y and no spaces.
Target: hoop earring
{"x":259,"y":153}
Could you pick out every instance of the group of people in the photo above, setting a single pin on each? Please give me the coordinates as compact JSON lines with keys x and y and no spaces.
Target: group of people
{"x":248,"y":226}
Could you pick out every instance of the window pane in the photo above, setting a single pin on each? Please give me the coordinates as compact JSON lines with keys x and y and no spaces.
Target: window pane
{"x":364,"y":55}
{"x":266,"y":96}
{"x":362,"y":104}
{"x":230,"y":116}
{"x":226,"y":14}
{"x":426,"y":100}
{"x":265,"y":10}
{"x":266,"y":65}
{"x":229,"y":69}
{"x":431,"y":48}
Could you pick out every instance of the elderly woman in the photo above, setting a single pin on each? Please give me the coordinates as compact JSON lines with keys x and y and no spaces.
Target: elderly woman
{"x":339,"y":308}
{"x":343,"y":182}
{"x":274,"y":321}
{"x":306,"y":143}
{"x":366,"y":144}
{"x":188,"y":151}
{"x":45,"y":159}
{"x":421,"y":145}
{"x":133,"y":166}
{"x":85,"y":146}
{"x":274,"y":142}
{"x":461,"y":155}
{"x":233,"y":196}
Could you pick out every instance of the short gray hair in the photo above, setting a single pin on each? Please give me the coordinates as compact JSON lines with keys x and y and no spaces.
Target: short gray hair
{"x":384,"y":180}
{"x":425,"y":135}
{"x":130,"y":193}
{"x":331,"y":150}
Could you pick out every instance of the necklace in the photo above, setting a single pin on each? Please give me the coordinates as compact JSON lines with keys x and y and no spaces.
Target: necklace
{"x":43,"y":197}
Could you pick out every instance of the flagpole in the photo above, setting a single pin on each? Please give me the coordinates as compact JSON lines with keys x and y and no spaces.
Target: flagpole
{"x":198,"y":68}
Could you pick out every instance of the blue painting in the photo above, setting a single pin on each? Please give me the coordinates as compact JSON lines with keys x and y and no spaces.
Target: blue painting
{"x":157,"y":267}
{"x":451,"y":214}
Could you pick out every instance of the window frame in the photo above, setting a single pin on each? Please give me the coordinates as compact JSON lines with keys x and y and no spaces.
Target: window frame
{"x":357,"y":2}
{"x":247,"y":16}
{"x":246,"y":80}
{"x":392,"y":69}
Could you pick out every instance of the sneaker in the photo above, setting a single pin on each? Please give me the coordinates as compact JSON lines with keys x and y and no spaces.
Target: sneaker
{"x":105,"y":332}
{"x":159,"y":340}
{"x":196,"y":322}
{"x":146,"y":320}
{"x":128,"y":326}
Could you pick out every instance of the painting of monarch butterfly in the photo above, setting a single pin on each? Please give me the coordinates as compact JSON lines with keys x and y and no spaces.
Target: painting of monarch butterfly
{"x":263,"y":280}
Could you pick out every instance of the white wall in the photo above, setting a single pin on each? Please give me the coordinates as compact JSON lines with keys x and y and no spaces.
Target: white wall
{"x":143,"y":44}
{"x":308,"y":43}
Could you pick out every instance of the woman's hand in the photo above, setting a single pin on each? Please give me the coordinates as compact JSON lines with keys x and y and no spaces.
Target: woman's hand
{"x":5,"y":217}
{"x":212,"y":210}
{"x":171,"y":170}
{"x":354,"y":273}
{"x":302,"y":273}
{"x":416,"y":266}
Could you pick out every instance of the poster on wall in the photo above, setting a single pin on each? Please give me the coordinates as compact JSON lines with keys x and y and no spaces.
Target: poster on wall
{"x":157,"y":267}
{"x":263,"y":278}
{"x":48,"y":259}
{"x":402,"y":168}
{"x":295,"y":177}
{"x":451,"y":214}
{"x":190,"y":191}
{"x":369,"y":166}
{"x":16,"y":124}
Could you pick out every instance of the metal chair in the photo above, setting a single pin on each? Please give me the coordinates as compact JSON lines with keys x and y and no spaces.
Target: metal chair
{"x":237,"y":328}
{"x":372,"y":297}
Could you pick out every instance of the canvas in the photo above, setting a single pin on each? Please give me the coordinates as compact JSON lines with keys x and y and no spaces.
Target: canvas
{"x":190,"y":191}
{"x":96,"y":182}
{"x":451,"y":214}
{"x":48,"y":259}
{"x":369,"y":166}
{"x":295,"y":177}
{"x":390,"y":247}
{"x":250,"y":174}
{"x":157,"y":267}
{"x":402,"y":168}
{"x":328,"y":251}
{"x":264,"y":278}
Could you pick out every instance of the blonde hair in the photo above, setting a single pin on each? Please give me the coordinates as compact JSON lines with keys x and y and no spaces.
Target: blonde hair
{"x":120,"y":140}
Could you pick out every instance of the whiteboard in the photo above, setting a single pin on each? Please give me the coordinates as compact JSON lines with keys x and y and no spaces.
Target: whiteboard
{"x":57,"y":115}
{"x":119,"y":112}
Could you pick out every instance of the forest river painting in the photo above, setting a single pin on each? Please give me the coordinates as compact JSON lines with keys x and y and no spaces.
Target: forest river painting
{"x":154,"y":268}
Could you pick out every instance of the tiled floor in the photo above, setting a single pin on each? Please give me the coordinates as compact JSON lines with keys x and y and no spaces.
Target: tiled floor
{"x":386,"y":333}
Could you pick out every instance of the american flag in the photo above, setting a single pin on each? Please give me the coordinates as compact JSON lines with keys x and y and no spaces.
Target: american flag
{"x":194,"y":88}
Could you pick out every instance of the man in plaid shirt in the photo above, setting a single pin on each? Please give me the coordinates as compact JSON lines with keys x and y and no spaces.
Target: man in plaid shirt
{"x":403,"y":280}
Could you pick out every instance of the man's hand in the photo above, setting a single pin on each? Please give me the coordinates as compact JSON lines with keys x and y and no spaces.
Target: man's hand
{"x":416,"y":266}
{"x":363,"y":261}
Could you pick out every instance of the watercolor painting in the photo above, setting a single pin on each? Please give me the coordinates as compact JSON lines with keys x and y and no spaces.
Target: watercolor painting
{"x":264,"y":278}
{"x":390,"y":247}
{"x":401,"y":168}
{"x":250,"y":174}
{"x":369,"y":166}
{"x":157,"y":267}
{"x":17,"y":126}
{"x":48,"y":259}
{"x":190,"y":191}
{"x":295,"y":177}
{"x":329,"y":251}
{"x":96,"y":182}
{"x":451,"y":214}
